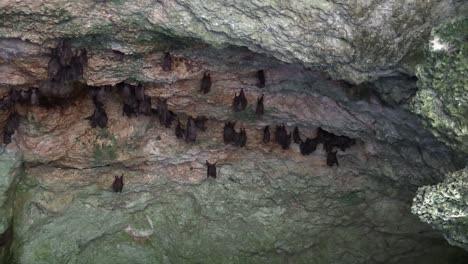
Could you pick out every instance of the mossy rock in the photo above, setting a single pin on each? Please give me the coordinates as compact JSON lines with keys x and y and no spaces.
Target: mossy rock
{"x":444,"y":207}
{"x":442,"y":99}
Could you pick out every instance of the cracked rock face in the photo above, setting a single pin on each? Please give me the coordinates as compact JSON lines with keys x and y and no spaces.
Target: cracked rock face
{"x":442,"y":102}
{"x":442,"y":99}
{"x":267,"y":205}
{"x":352,"y":40}
{"x":445,"y":206}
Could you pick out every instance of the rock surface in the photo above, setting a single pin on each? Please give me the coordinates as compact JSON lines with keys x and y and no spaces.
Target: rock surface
{"x":10,"y":169}
{"x":352,"y":40}
{"x":442,"y":102}
{"x":267,"y":205}
{"x":442,"y":99}
{"x":445,"y":206}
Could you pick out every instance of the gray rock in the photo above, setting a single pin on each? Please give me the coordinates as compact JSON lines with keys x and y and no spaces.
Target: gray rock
{"x":10,"y":169}
{"x":445,"y":207}
{"x":267,"y":205}
{"x":250,"y":214}
{"x":396,"y":91}
{"x":356,"y":41}
{"x":442,"y":98}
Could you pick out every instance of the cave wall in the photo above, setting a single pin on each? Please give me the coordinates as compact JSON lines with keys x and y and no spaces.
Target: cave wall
{"x":268,"y":205}
{"x":352,"y":40}
{"x":10,"y":173}
{"x":442,"y":99}
{"x":441,"y":102}
{"x":445,"y":205}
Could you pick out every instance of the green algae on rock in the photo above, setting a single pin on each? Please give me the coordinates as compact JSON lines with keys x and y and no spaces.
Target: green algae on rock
{"x":445,"y":207}
{"x":442,"y":99}
{"x":10,"y":169}
{"x":73,"y":217}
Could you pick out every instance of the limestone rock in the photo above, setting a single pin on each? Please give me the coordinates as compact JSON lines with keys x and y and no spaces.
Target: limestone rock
{"x":445,"y":207}
{"x":396,"y":91}
{"x":267,"y":205}
{"x":442,"y":99}
{"x":356,"y":41}
{"x":442,"y":102}
{"x":249,"y":214}
{"x":10,"y":169}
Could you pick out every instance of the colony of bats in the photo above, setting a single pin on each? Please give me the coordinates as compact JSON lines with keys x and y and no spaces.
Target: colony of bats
{"x":66,"y":67}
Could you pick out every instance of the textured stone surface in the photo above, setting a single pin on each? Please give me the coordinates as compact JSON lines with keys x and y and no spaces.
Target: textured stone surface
{"x":352,"y":40}
{"x":445,"y":206}
{"x":10,"y":169}
{"x":442,"y":99}
{"x":169,"y":213}
{"x":295,"y":95}
{"x":395,"y":91}
{"x":268,"y":205}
